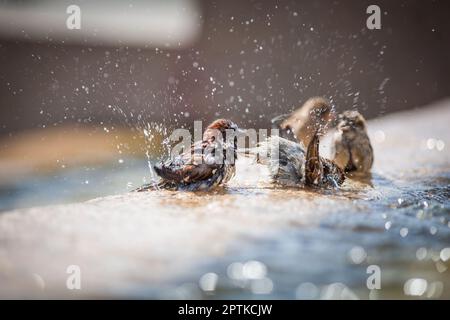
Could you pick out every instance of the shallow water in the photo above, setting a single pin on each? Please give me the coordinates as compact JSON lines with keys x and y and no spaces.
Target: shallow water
{"x":319,"y":245}
{"x":249,"y":240}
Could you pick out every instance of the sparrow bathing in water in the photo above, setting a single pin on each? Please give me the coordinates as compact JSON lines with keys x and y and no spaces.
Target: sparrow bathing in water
{"x":351,"y":148}
{"x":290,"y":165}
{"x":321,"y":171}
{"x":208,"y":163}
{"x":315,"y":116}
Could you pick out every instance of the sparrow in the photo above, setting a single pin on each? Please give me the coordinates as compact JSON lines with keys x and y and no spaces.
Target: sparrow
{"x":291,"y":166}
{"x":320,"y":171}
{"x":351,"y":148}
{"x":208,"y":163}
{"x":315,"y":115}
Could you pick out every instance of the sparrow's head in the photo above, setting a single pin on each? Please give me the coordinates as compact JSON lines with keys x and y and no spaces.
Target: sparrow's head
{"x":315,"y":116}
{"x":224,"y":126}
{"x":351,"y":121}
{"x":319,"y":110}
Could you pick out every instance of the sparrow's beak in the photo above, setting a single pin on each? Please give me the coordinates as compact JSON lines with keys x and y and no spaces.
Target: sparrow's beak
{"x":345,"y":128}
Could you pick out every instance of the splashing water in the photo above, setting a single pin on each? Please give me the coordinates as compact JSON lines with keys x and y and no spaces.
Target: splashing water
{"x":148,"y":130}
{"x":153,"y":177}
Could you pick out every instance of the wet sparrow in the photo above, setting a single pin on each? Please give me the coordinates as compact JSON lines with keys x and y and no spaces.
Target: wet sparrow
{"x":351,"y":148}
{"x":315,"y":116}
{"x":202,"y":167}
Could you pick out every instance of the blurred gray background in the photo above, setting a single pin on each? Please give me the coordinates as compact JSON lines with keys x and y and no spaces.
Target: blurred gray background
{"x":247,"y":60}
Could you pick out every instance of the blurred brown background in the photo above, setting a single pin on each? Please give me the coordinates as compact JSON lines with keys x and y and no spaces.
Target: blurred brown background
{"x":250,"y":61}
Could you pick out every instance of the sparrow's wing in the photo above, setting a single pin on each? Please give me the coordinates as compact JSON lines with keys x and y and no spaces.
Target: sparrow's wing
{"x":188,"y":173}
{"x":189,"y":167}
{"x":313,"y":164}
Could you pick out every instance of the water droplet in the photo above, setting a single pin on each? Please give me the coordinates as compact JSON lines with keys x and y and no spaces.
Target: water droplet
{"x":435,"y":289}
{"x":262,"y":286}
{"x":208,"y":281}
{"x":440,"y":267}
{"x":421,"y":214}
{"x":235,"y":271}
{"x":433,"y":230}
{"x":415,"y":287}
{"x":388,"y":225}
{"x":379,"y":136}
{"x":338,"y":291}
{"x":403,"y":232}
{"x":440,"y":145}
{"x":307,"y":291}
{"x":39,"y":281}
{"x":357,"y":255}
{"x":421,"y":253}
{"x":254,"y":270}
{"x":445,"y":254}
{"x":431,"y":143}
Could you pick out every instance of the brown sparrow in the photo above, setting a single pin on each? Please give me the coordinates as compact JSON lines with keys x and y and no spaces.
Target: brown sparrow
{"x":200,"y":168}
{"x":351,"y":148}
{"x":321,"y":171}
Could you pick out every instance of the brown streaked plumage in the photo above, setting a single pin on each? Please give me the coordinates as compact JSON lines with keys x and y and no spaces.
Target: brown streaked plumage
{"x":202,"y":167}
{"x":314,"y":116}
{"x":351,"y":148}
{"x":320,"y":171}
